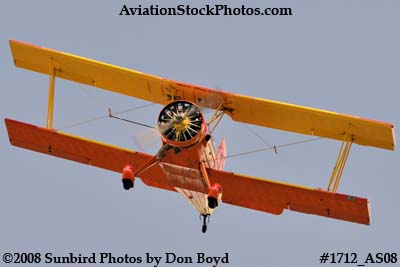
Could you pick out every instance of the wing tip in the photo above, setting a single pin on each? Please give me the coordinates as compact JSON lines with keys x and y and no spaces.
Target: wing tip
{"x":13,"y":42}
{"x":394,"y":138}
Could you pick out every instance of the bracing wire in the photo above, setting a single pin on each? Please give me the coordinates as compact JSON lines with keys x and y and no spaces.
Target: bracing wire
{"x":130,"y":121}
{"x":274,"y":147}
{"x":270,"y":148}
{"x":103,"y":117}
{"x":98,"y":117}
{"x":258,"y":136}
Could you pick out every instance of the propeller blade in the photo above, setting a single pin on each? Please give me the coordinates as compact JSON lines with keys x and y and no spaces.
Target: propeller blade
{"x":147,"y":139}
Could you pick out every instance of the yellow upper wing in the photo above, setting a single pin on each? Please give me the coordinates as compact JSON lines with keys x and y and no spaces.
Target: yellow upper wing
{"x":262,"y":112}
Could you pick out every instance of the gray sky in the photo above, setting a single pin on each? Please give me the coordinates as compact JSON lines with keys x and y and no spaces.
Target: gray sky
{"x":336,"y":55}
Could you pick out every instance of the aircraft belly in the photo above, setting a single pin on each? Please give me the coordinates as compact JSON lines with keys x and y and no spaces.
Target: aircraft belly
{"x":197,"y":199}
{"x":190,"y":184}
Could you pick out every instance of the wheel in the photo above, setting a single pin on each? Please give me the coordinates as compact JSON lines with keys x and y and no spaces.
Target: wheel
{"x":127,"y":183}
{"x":204,"y":228}
{"x":212,"y":202}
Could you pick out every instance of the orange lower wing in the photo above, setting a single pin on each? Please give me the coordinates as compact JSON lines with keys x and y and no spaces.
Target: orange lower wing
{"x":82,"y":150}
{"x":258,"y":194}
{"x":274,"y":197}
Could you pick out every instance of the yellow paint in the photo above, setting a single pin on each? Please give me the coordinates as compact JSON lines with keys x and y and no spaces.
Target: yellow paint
{"x":339,"y":166}
{"x":257,"y":111}
{"x":183,"y":125}
{"x":50,"y":107}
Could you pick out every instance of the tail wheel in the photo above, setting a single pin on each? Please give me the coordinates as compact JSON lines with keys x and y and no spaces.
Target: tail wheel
{"x":204,"y":228}
{"x":206,"y":220}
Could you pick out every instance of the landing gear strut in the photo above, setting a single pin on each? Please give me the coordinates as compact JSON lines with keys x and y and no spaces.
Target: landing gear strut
{"x":205,"y":222}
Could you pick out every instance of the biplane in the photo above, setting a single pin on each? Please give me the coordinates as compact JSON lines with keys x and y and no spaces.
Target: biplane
{"x":188,"y":161}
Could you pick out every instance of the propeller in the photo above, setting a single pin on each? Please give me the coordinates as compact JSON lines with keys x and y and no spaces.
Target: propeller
{"x":146,"y":139}
{"x":180,"y":121}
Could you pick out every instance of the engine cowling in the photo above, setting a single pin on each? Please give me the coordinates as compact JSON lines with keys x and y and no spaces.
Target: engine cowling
{"x":181,"y":124}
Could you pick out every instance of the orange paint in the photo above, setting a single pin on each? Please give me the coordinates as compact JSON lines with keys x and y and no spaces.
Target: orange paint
{"x":127,"y":172}
{"x":240,"y":190}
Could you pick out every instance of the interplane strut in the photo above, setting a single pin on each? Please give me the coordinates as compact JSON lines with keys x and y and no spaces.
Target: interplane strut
{"x":340,"y":163}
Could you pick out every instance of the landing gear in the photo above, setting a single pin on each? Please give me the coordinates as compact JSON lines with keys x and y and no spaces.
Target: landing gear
{"x":212,"y":202}
{"x":214,"y":194}
{"x":127,"y":183}
{"x":206,"y":220}
{"x":128,"y":177}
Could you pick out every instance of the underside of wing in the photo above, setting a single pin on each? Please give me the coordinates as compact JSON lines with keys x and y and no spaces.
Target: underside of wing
{"x":83,"y":150}
{"x":262,"y":112}
{"x":258,"y":194}
{"x":274,"y":197}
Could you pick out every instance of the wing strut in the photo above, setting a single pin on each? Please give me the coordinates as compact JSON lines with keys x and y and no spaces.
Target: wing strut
{"x":216,"y":117}
{"x":204,"y":174}
{"x":50,"y":105}
{"x":340,"y":162}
